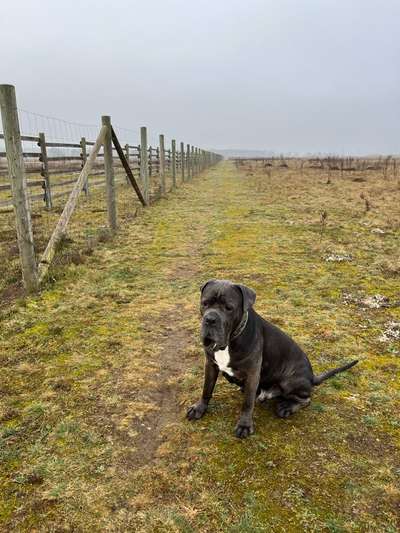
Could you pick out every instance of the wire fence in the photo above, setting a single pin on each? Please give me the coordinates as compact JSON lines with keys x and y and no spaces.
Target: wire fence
{"x":55,"y":153}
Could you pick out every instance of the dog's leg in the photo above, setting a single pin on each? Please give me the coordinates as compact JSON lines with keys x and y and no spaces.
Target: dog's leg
{"x":295,"y":396}
{"x":198,"y":409}
{"x":245,"y":426}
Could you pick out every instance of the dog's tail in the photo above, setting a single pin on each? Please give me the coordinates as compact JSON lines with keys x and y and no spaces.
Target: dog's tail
{"x":325,"y":375}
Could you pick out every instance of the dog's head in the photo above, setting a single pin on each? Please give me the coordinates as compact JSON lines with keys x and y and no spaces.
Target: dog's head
{"x":222,"y":305}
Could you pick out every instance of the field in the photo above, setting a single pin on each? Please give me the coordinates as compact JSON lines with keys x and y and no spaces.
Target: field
{"x":99,"y":369}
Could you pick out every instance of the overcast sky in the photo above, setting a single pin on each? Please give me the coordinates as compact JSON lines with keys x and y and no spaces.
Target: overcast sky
{"x":285,"y":75}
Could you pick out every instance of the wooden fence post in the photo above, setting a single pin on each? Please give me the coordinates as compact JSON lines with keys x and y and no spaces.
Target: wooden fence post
{"x":16,"y":169}
{"x":192,"y":162}
{"x":158,"y":160}
{"x":45,"y":170}
{"x":127,"y":156}
{"x":183,"y":162}
{"x":173,"y":149}
{"x":162,"y":164}
{"x":144,"y":164}
{"x":150,"y":156}
{"x":188,"y":161}
{"x":109,"y":170}
{"x":84,"y":158}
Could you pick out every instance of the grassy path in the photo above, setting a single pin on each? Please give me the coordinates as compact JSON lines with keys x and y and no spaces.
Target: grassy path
{"x":97,"y":371}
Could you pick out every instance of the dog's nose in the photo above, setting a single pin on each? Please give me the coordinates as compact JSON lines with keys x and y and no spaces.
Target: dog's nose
{"x":210,"y":320}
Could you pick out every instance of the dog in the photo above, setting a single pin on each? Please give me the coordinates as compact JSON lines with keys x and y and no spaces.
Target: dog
{"x":252,"y":353}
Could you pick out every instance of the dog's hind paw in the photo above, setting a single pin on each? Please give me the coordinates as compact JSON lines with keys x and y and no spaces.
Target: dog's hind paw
{"x":196,"y":411}
{"x":285,"y":408}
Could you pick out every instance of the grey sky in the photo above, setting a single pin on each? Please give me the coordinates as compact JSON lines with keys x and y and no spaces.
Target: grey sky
{"x":286,"y":75}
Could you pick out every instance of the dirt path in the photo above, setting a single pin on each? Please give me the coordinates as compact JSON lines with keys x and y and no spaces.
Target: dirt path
{"x":98,"y":370}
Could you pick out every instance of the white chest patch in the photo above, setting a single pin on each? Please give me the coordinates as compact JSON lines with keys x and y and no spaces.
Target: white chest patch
{"x":222,"y":359}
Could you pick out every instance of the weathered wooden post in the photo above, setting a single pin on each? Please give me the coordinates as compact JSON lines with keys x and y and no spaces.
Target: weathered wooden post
{"x":162,"y":164}
{"x":192,"y":167}
{"x":45,"y":170}
{"x":188,"y":161}
{"x":127,"y":156}
{"x":150,"y":156}
{"x":109,"y":171}
{"x":173,"y":149}
{"x":83,"y":161}
{"x":158,"y":160}
{"x":16,"y":170}
{"x":144,"y":164}
{"x":183,"y":162}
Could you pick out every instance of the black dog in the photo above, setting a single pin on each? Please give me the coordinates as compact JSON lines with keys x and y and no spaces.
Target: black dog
{"x":256,"y":355}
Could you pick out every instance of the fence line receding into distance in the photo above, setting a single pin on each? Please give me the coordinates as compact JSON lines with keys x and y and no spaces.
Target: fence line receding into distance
{"x":52,"y":168}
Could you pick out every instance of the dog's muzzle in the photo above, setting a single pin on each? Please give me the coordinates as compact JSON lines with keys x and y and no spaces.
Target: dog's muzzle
{"x":213,"y":333}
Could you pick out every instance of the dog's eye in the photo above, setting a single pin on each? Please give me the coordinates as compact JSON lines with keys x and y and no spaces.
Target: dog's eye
{"x":228,"y":307}
{"x":205,"y":304}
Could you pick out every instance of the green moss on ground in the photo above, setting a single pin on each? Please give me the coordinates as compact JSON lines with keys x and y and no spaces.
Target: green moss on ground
{"x":91,"y":364}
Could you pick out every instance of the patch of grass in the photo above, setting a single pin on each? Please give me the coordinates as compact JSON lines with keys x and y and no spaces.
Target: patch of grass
{"x":318,"y":407}
{"x":370,"y":420}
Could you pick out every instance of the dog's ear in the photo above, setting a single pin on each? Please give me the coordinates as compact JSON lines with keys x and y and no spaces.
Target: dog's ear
{"x":249,"y":296}
{"x":206,"y":283}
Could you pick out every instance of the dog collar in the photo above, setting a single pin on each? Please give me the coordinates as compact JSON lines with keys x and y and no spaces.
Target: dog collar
{"x":241,"y":326}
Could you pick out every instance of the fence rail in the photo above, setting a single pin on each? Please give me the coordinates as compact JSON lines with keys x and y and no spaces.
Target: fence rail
{"x":142,"y":166}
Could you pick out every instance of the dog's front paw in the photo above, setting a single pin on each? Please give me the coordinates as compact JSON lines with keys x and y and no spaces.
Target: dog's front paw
{"x":196,"y":410}
{"x":244,"y":429}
